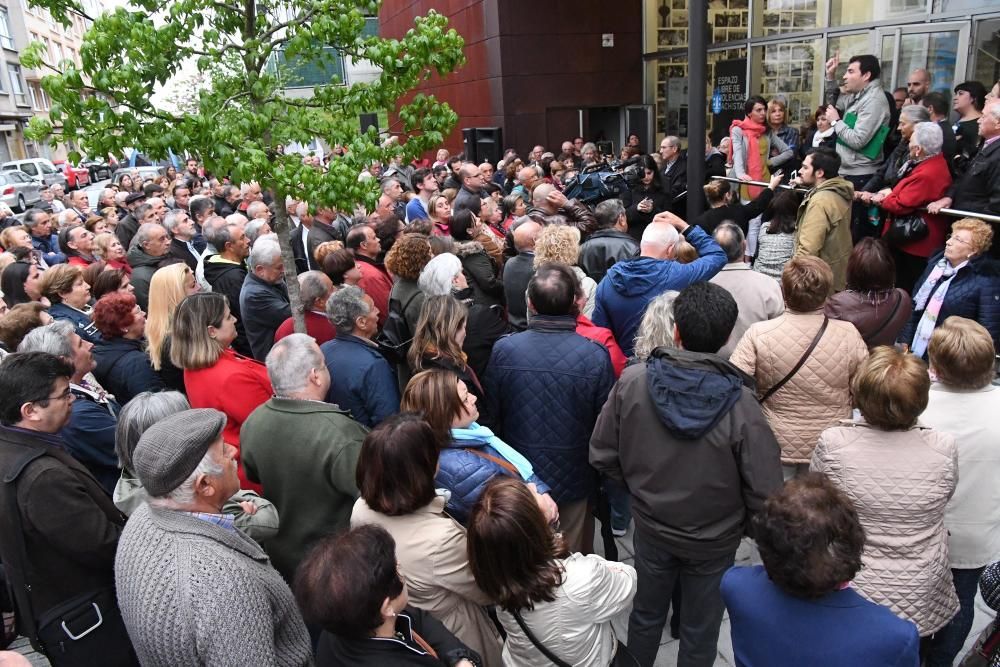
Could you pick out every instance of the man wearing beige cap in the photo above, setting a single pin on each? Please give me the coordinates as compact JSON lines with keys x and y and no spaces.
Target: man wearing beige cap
{"x":193,"y":589}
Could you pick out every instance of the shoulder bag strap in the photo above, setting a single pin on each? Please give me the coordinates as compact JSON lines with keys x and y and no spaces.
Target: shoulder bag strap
{"x":16,"y":563}
{"x":539,"y":645}
{"x":873,"y":335}
{"x":812,"y":346}
{"x":503,"y":463}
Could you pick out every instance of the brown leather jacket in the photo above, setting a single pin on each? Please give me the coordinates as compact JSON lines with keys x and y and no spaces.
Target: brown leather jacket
{"x":878,"y":316}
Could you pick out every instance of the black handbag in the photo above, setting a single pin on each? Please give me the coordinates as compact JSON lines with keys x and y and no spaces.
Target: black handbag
{"x":83,"y":631}
{"x":908,"y":229}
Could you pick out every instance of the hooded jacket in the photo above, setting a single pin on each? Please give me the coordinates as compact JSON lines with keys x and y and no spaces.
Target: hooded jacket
{"x":143,"y":267}
{"x":685,"y":434}
{"x":631,"y":284}
{"x":823,"y":226}
{"x":227,"y":278}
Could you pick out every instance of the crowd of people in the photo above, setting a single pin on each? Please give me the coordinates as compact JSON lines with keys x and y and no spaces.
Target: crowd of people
{"x":488,"y":367}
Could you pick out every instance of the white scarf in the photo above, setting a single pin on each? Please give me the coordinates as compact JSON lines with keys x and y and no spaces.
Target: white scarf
{"x":820,"y":136}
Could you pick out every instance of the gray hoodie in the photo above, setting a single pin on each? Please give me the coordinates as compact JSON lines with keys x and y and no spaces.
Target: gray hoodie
{"x":872,"y":109}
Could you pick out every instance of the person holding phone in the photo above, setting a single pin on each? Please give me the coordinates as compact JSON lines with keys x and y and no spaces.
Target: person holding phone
{"x":646,"y":199}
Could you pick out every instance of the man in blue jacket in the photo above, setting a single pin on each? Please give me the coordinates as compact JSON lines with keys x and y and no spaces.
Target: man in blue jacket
{"x":545,"y":387}
{"x":629,"y":286}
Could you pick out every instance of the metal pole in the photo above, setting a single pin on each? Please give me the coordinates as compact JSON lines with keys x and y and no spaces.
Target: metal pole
{"x":697,"y":76}
{"x":953,"y":212}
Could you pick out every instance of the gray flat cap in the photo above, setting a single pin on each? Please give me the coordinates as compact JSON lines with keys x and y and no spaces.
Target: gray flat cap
{"x":170,"y":450}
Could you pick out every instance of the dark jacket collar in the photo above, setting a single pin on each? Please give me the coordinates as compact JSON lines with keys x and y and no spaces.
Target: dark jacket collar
{"x":552,"y":322}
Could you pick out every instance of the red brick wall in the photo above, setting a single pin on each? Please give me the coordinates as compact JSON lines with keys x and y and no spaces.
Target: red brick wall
{"x":532,"y":63}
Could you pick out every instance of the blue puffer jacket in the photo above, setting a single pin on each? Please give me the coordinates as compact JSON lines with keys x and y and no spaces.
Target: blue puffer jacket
{"x":974,"y":293}
{"x":49,"y":249}
{"x":465,"y":475}
{"x":124,"y":369}
{"x":90,"y":435}
{"x":545,"y":387}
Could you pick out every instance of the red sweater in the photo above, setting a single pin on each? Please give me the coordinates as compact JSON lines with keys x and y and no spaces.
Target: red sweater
{"x":377,"y":284}
{"x":235,"y":385}
{"x":588,"y":329}
{"x":317,"y":326}
{"x":929,"y":181}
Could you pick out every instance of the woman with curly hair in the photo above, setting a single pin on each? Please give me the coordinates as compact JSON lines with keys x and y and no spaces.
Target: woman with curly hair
{"x":545,"y":595}
{"x":799,"y":607}
{"x":561,"y":243}
{"x":109,"y":248}
{"x":407,"y":258}
{"x":122,"y":365}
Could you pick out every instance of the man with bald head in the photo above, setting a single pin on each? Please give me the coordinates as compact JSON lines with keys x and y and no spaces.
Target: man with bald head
{"x":631,"y":284}
{"x":471,"y":193}
{"x":918,"y":84}
{"x":549,"y":206}
{"x":518,"y":270}
{"x":528,"y":178}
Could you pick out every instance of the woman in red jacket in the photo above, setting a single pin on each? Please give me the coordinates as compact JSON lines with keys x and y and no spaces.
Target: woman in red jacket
{"x":927,"y":180}
{"x":215,"y":376}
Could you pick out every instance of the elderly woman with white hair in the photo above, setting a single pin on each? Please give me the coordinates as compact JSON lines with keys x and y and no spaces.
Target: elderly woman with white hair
{"x":255,"y":516}
{"x":913,"y":234}
{"x":361,"y":380}
{"x":443,"y":276}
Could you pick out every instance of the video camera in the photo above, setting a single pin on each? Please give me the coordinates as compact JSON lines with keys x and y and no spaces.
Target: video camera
{"x":605,"y":180}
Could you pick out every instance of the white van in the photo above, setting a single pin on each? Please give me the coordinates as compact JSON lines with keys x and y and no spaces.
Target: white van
{"x":40,"y":170}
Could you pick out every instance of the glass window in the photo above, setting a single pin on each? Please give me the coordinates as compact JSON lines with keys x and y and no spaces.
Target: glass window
{"x":6,"y":40}
{"x":298,"y":73}
{"x":16,"y":85}
{"x":792,"y":70}
{"x":671,"y":97}
{"x":29,"y":168}
{"x":728,"y":20}
{"x":846,"y":12}
{"x":777,"y":17}
{"x":937,"y":52}
{"x":986,"y":68}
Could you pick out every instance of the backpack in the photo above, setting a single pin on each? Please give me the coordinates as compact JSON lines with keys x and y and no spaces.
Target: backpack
{"x":395,"y":338}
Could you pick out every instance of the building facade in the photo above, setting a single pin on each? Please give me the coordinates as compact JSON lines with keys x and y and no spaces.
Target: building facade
{"x":544,"y":72}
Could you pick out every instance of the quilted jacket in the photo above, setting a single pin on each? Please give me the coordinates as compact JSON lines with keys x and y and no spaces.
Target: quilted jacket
{"x":819,"y":394}
{"x":974,"y":293}
{"x":545,"y":387}
{"x":900,"y":483}
{"x":465,"y":475}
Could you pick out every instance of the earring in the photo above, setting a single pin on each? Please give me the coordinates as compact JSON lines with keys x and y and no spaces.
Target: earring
{"x":392,"y":613}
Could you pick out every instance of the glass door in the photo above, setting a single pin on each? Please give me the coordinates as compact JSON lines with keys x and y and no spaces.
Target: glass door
{"x":940,"y":48}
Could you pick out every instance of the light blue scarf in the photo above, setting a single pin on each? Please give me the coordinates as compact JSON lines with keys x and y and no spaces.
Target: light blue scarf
{"x":478,"y":433}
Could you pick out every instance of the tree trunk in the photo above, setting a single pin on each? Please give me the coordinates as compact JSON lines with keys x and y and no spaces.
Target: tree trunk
{"x":283,"y":228}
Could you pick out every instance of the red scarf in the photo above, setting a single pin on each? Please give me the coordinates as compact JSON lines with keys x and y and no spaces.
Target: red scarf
{"x":755,"y":164}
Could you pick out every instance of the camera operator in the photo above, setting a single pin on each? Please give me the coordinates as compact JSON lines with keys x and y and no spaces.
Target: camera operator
{"x":647,"y":198}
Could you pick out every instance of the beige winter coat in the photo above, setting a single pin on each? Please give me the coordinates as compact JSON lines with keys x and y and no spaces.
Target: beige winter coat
{"x":819,"y":394}
{"x":900,"y":483}
{"x":431,"y":550}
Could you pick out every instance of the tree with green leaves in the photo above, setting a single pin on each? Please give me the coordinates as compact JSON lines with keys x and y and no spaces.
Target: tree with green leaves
{"x":245,"y":114}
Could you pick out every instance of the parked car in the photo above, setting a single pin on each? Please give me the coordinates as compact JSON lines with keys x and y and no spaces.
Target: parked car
{"x":18,"y":190}
{"x":76,"y":177}
{"x":145,"y":173}
{"x":99,"y":170}
{"x":39,"y":169}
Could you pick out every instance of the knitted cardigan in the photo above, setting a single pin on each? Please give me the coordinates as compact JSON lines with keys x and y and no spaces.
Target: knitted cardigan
{"x":194,"y":593}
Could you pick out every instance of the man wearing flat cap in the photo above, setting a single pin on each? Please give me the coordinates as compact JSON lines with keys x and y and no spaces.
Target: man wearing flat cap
{"x":192,"y":588}
{"x":129,"y":225}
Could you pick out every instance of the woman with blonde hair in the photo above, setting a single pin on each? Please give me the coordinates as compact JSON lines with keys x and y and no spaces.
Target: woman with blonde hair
{"x":169,"y":286}
{"x":108,"y":248}
{"x":963,"y":402}
{"x":961,"y":280}
{"x":561,"y":243}
{"x":900,"y":476}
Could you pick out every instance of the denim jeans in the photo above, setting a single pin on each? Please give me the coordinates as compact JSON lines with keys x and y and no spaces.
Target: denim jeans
{"x":659,"y":572}
{"x":948,"y":641}
{"x":620,"y":503}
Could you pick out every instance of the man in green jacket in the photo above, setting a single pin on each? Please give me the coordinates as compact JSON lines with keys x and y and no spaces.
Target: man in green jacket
{"x":303,"y":452}
{"x":823,"y":227}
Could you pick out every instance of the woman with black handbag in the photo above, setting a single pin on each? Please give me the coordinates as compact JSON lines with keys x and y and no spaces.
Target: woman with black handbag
{"x":913,"y":234}
{"x":556,"y":607}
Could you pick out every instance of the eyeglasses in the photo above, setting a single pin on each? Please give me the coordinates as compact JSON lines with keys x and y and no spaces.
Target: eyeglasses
{"x":66,"y":395}
{"x":952,"y":237}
